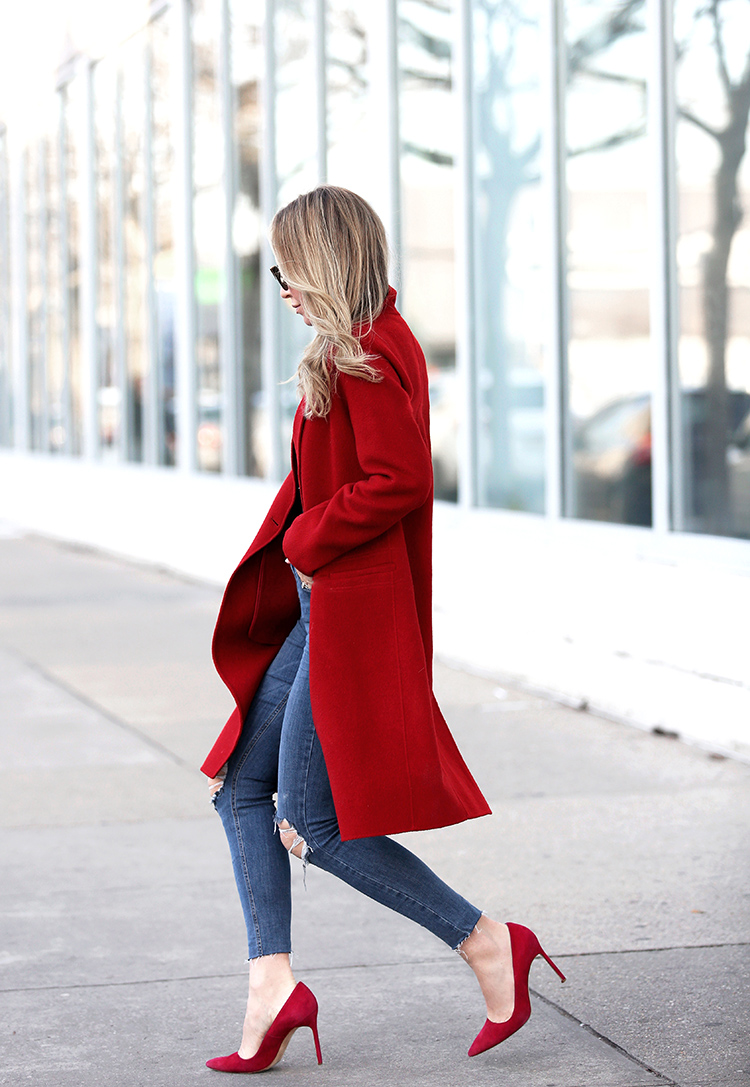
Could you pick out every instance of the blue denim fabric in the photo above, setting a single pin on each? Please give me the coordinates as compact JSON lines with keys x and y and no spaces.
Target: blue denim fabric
{"x":279,"y":751}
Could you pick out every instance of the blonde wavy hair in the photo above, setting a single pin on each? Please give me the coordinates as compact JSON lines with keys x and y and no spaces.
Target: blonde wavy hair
{"x":331,"y":247}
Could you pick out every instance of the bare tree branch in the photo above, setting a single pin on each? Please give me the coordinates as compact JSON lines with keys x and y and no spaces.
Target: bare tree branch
{"x":427,"y":79}
{"x":688,"y":115}
{"x":620,"y":24}
{"x":613,"y":77}
{"x":615,"y":140}
{"x":438,"y":158}
{"x":434,"y":47}
{"x":353,"y":71}
{"x":721,"y":56}
{"x":444,"y":6}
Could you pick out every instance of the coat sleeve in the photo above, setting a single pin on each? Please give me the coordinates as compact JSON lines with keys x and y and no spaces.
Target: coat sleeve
{"x":394,"y":456}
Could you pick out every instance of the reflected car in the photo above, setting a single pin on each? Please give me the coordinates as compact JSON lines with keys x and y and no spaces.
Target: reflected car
{"x":612,"y":457}
{"x":738,"y":459}
{"x":210,"y":439}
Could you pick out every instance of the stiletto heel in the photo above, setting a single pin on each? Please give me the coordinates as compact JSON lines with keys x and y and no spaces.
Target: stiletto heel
{"x":524,"y":948}
{"x":300,"y":1010}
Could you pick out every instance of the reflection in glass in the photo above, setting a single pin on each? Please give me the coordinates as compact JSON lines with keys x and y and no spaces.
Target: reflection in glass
{"x":6,"y":373}
{"x":35,"y":296}
{"x":356,"y":118}
{"x":608,"y":277}
{"x":135,"y":266}
{"x":247,"y":65}
{"x":713,"y":260}
{"x":428,"y":125}
{"x":55,"y":348}
{"x":509,"y":397}
{"x":163,"y":271}
{"x":109,"y":407}
{"x":73,"y":110}
{"x":209,"y":229}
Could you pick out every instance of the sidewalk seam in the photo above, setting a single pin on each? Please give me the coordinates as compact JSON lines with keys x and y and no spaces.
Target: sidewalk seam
{"x":102,"y":710}
{"x":666,"y":1080}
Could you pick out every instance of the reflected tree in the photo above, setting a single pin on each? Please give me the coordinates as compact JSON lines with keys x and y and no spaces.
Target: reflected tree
{"x":733,"y":69}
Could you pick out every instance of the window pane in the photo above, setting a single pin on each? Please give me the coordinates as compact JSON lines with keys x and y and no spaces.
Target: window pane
{"x":428,"y":126}
{"x":35,"y":314}
{"x":713,"y":259}
{"x":355,"y":112}
{"x":135,"y":265}
{"x":610,"y":354}
{"x":209,"y":230}
{"x":109,"y":406}
{"x":56,"y":350}
{"x":163,"y":271}
{"x":247,"y":227}
{"x":509,"y":396}
{"x":73,"y":127}
{"x":6,"y":372}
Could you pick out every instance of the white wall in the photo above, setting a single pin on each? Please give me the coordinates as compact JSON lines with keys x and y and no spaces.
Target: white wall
{"x":641,"y":627}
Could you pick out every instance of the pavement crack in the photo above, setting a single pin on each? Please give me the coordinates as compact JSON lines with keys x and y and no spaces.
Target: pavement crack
{"x":667,"y":1081}
{"x":91,"y":704}
{"x":76,"y":985}
{"x":648,"y":950}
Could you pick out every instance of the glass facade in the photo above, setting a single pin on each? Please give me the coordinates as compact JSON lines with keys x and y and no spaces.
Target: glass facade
{"x":510,"y":355}
{"x":428,"y":144}
{"x":6,"y":368}
{"x":109,"y":391}
{"x":73,"y":119}
{"x":161,"y":44}
{"x":55,"y":299}
{"x":35,"y":309}
{"x":712,"y":456}
{"x":246,"y":67}
{"x":209,"y":225}
{"x":525,"y":157}
{"x":608,"y":273}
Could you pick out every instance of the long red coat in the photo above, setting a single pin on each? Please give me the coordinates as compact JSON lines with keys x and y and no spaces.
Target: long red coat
{"x":364,"y":478}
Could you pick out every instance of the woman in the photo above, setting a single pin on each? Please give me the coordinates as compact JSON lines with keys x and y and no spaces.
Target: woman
{"x":325,"y":640}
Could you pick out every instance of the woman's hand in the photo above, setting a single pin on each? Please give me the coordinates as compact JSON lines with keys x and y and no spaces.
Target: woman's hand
{"x":306,"y":579}
{"x":216,"y":784}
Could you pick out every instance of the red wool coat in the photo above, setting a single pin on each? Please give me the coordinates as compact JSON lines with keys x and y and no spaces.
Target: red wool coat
{"x":364,"y":531}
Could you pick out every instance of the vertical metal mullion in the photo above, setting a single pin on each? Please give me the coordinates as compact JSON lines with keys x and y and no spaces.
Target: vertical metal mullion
{"x":321,"y":89}
{"x":269,"y":308}
{"x":666,"y":427}
{"x":661,"y":316}
{"x":232,"y":393}
{"x":44,"y":291}
{"x":152,"y":414}
{"x":87,"y":292}
{"x":466,"y":261}
{"x":185,"y":320}
{"x":554,"y":72}
{"x":21,"y":429}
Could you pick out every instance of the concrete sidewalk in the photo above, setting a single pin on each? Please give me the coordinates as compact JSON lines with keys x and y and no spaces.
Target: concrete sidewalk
{"x":122,"y":939}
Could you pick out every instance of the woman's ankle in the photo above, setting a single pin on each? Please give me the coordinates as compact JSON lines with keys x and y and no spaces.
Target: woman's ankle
{"x":270,"y":975}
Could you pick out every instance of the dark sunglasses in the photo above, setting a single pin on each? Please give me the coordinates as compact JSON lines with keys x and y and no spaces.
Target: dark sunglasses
{"x":277,"y":276}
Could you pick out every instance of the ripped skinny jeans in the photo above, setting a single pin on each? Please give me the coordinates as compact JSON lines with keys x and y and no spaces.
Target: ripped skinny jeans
{"x":279,"y":752}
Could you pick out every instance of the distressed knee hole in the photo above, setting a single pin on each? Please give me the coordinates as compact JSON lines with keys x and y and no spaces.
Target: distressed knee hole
{"x":291,"y":840}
